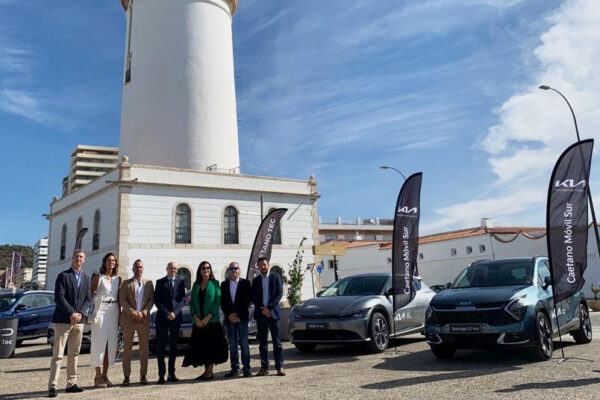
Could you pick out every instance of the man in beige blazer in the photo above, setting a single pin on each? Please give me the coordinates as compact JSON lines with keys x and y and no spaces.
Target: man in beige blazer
{"x":136,"y":298}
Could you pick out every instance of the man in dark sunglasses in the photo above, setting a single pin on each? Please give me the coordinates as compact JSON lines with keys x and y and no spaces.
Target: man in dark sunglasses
{"x":236,"y":296}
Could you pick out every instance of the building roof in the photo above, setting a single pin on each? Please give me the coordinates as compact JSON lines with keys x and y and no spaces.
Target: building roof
{"x":441,"y":237}
{"x":356,"y":243}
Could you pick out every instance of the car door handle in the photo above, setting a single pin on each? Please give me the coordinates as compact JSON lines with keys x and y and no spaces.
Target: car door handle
{"x":34,"y":315}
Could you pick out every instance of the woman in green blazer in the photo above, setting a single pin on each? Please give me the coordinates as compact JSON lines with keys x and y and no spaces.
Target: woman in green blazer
{"x":208,"y":345}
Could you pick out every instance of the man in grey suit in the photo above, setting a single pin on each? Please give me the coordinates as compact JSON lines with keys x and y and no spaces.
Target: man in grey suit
{"x":72,"y":298}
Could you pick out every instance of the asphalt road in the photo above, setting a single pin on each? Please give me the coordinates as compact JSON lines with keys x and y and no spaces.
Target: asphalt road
{"x":406,"y":370}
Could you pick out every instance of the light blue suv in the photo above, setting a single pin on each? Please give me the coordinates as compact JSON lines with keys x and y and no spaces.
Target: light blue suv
{"x":504,"y":303}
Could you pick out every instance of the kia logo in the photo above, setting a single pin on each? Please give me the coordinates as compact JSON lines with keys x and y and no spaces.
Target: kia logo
{"x":569,"y":183}
{"x":6,"y":331}
{"x":406,"y":210}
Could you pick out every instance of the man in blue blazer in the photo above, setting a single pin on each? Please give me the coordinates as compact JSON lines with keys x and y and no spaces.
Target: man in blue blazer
{"x":266,"y":295}
{"x":72,"y":298}
{"x":169,"y":298}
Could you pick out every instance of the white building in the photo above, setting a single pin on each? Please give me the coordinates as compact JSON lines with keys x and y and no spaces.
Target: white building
{"x":40,"y":259}
{"x":24,"y":278}
{"x":166,"y":200}
{"x":89,"y":163}
{"x":443,"y":256}
{"x":356,"y":229}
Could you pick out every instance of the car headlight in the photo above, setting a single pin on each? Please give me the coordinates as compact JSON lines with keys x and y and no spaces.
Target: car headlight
{"x":360,"y":314}
{"x":294,"y":315}
{"x":516,"y":309}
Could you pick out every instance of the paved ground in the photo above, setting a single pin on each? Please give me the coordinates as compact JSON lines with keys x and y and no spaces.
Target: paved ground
{"x":407,"y":370}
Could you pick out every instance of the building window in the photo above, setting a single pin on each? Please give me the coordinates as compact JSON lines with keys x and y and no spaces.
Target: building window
{"x":63,"y":241}
{"x":331,"y":264}
{"x":469,"y":249}
{"x":420,"y":256}
{"x":452,"y":252}
{"x":329,"y":238}
{"x":277,"y":234}
{"x":96,"y":236}
{"x":389,"y":260}
{"x":482,"y":248}
{"x":186,"y":275}
{"x":79,"y":227}
{"x":230,"y":226}
{"x":183,"y":224}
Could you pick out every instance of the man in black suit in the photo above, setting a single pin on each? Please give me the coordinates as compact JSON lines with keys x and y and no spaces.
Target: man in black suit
{"x":266,"y":295}
{"x":72,"y":298}
{"x":169,"y":298}
{"x":236,"y":296}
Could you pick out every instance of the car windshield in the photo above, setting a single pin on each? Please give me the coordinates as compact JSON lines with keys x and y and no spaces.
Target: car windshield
{"x":509,"y":273}
{"x":356,"y":286}
{"x":6,"y":302}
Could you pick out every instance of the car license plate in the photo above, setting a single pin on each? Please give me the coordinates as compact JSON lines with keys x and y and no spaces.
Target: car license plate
{"x":465,"y":328}
{"x":317,"y":325}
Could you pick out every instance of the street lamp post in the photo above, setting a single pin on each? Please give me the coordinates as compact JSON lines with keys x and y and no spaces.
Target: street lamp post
{"x":546,"y":87}
{"x":397,"y":170}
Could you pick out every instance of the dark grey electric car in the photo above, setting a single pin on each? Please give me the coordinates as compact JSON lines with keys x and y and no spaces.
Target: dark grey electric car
{"x":357,"y":309}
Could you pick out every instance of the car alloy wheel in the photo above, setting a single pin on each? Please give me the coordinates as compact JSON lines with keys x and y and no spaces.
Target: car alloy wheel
{"x":544,"y":344}
{"x":583,"y":335}
{"x":380,"y":333}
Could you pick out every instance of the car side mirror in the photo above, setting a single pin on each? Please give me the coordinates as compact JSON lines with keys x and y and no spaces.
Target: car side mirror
{"x":389,"y":292}
{"x":20,"y":307}
{"x":547,"y":282}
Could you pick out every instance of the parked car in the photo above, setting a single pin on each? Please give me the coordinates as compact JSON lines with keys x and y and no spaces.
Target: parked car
{"x":504,"y":303}
{"x":185,"y":332}
{"x":33,"y":308}
{"x":357,"y":309}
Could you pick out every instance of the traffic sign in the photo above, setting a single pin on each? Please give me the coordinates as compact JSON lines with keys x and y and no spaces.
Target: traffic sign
{"x":319,"y":268}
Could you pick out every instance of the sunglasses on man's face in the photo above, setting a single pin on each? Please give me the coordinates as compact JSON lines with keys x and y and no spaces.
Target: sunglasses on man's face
{"x":234,"y":268}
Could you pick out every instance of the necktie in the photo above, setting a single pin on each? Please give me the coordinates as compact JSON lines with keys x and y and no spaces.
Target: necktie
{"x":171,"y":281}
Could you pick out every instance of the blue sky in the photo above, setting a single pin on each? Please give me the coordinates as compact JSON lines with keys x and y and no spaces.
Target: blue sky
{"x":331,"y":88}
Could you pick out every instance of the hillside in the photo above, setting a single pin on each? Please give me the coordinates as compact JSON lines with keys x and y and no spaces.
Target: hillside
{"x":6,"y":255}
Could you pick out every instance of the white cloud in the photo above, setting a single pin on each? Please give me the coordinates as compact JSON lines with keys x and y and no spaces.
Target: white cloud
{"x":33,"y":106}
{"x":536,"y":126}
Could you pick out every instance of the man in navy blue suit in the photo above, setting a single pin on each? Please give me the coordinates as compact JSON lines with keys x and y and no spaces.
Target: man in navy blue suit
{"x":266,"y":295}
{"x":169,"y":298}
{"x":72,"y":298}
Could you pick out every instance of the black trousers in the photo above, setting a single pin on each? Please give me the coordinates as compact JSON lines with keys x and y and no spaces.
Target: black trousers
{"x":166,"y":332}
{"x":266,"y":325}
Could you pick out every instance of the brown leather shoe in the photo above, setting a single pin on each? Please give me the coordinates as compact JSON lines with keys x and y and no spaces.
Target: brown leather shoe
{"x":280,"y":372}
{"x":125,"y":381}
{"x":262,"y":372}
{"x":143,"y":380}
{"x":107,"y":381}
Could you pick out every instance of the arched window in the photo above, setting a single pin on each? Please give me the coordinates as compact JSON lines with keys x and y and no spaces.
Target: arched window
{"x":63,"y":241}
{"x":277,"y":234}
{"x":186,"y":275}
{"x":183,"y":224}
{"x":230,"y":226}
{"x":79,"y":227}
{"x":96,"y":237}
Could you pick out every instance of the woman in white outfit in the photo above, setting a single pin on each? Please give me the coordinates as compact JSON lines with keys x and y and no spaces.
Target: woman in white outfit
{"x":105,"y":318}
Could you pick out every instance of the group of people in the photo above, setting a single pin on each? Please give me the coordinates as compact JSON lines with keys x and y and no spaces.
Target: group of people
{"x":106,"y":301}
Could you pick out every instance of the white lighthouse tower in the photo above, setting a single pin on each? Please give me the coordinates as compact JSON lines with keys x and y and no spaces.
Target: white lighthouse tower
{"x":179,"y":105}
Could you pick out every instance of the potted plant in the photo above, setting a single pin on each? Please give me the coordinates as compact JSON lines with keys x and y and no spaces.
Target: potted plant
{"x":594,"y":304}
{"x":293,"y":279}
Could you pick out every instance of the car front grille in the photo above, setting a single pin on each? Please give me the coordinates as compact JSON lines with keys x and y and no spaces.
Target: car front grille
{"x":471,"y":340}
{"x":325,"y":335}
{"x":491,"y":317}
